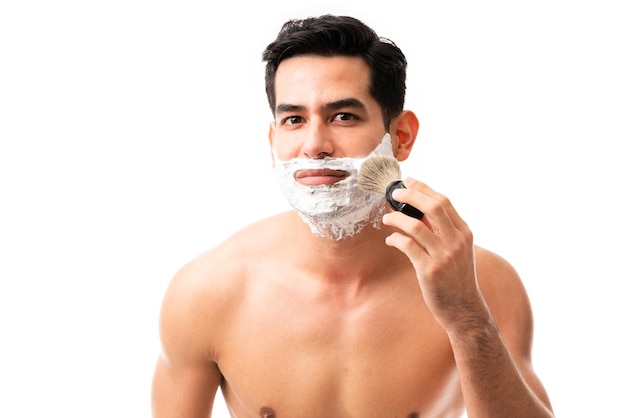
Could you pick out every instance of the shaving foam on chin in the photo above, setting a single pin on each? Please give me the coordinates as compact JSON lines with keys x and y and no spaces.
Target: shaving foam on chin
{"x":338,"y":210}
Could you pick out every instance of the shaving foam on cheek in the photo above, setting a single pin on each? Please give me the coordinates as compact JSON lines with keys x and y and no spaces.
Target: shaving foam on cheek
{"x":338,"y":210}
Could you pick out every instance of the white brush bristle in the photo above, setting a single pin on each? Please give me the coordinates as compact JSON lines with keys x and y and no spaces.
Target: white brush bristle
{"x":377,"y":172}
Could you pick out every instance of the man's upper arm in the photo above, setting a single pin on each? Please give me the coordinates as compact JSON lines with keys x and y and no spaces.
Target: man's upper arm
{"x":509,"y":303}
{"x":183,"y":391}
{"x":186,"y":378}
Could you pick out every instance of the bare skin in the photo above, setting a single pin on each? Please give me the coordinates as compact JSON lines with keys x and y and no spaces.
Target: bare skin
{"x":410,"y":320}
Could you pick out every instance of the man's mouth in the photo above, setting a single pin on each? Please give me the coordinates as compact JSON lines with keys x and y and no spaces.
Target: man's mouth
{"x":319,"y":177}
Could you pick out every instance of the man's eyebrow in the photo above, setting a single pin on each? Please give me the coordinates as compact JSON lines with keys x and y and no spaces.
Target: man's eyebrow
{"x":338,"y":104}
{"x":285,"y":108}
{"x":349,"y":102}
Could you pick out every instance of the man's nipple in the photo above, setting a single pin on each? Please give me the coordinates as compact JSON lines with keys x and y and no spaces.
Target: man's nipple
{"x":267,"y":412}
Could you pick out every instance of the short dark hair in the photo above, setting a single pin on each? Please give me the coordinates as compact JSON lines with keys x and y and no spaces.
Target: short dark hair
{"x":330,"y":35}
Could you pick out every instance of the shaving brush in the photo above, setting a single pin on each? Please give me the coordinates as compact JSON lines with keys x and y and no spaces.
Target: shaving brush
{"x":381,"y":174}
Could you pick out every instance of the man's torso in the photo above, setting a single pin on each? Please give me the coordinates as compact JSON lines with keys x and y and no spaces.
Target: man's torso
{"x":297,"y":348}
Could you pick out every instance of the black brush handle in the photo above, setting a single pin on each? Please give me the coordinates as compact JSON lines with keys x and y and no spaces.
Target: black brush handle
{"x":405,"y":208}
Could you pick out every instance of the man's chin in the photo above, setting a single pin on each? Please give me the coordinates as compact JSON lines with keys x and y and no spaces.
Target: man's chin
{"x":334,"y":215}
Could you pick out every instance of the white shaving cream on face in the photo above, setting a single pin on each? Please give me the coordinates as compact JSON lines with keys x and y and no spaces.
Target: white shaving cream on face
{"x":338,"y":210}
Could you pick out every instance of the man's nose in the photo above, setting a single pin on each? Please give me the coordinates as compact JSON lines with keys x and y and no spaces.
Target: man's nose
{"x":318,"y":142}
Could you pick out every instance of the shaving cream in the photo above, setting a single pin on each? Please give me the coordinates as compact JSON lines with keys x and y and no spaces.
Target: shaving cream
{"x":334,"y":211}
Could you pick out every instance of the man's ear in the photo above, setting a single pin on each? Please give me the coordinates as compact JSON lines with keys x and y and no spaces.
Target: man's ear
{"x":270,"y":137}
{"x":404,"y":127}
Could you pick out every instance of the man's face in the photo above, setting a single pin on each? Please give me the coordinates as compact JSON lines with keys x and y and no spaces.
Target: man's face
{"x":323,"y":108}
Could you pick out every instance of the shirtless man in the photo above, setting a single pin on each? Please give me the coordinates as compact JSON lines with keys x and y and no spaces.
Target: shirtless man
{"x":343,"y":307}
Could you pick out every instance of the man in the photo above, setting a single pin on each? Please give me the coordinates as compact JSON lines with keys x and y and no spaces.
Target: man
{"x":343,"y":307}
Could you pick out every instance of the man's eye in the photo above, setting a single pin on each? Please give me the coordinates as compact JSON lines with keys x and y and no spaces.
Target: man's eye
{"x":344,"y":117}
{"x":292,"y":120}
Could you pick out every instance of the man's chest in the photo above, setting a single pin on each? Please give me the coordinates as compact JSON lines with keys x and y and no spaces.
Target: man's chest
{"x":389,"y":361}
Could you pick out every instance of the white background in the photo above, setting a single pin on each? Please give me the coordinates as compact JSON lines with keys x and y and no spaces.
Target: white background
{"x":133,"y":137}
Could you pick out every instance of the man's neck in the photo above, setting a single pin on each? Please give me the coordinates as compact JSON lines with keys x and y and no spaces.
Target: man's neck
{"x":362,"y":257}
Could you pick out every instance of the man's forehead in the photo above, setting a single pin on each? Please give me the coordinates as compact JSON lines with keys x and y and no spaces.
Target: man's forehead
{"x":326,"y":82}
{"x":309,"y":69}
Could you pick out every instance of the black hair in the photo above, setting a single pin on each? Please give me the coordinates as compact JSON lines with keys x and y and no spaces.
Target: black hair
{"x":330,"y":35}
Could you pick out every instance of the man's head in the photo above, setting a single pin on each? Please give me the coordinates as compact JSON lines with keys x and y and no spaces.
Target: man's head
{"x":329,"y":36}
{"x":336,"y":91}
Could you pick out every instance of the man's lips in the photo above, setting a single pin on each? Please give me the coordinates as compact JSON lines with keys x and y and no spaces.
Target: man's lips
{"x":318,"y":177}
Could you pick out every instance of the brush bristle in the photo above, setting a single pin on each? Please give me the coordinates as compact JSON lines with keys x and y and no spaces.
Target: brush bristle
{"x":377,"y":172}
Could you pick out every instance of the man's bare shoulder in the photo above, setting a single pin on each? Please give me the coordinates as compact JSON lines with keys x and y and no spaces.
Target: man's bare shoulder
{"x":206,"y":291}
{"x":226,"y":266}
{"x":497,"y":276}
